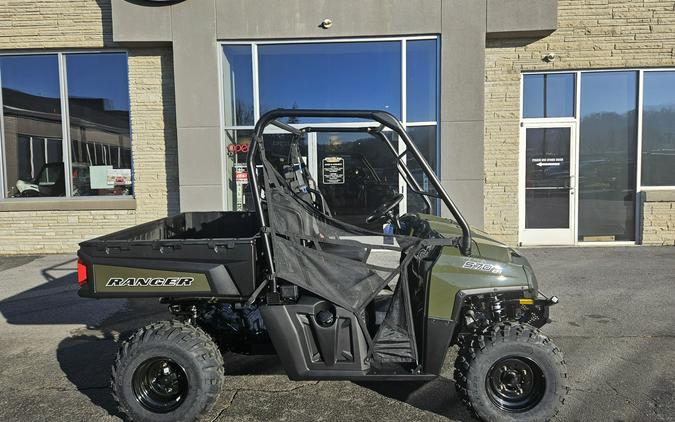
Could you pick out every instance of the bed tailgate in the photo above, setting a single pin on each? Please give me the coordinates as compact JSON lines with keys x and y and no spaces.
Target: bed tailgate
{"x":195,"y":270}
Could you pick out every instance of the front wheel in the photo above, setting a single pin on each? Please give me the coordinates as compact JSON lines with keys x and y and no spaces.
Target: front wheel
{"x":511,"y":372}
{"x":167,"y":371}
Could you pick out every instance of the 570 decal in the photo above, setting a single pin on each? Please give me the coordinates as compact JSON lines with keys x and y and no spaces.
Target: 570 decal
{"x":151,"y":282}
{"x":477,"y":266}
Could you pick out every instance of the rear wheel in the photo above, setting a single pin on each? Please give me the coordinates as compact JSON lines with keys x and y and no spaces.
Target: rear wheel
{"x":167,"y":371}
{"x":511,"y":372}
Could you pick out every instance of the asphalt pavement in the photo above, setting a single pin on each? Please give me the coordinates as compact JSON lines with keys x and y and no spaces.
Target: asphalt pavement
{"x":615,"y":323}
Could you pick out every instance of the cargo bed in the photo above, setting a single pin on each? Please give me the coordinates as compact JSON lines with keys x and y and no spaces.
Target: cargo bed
{"x":194,"y":254}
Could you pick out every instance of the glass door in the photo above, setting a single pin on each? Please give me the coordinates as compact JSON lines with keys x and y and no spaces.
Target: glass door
{"x":547,"y":184}
{"x":356,"y":173}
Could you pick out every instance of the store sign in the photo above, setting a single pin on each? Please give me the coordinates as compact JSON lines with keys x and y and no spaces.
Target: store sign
{"x":547,"y":161}
{"x":237,"y":148}
{"x":241,"y":175}
{"x":333,"y":171}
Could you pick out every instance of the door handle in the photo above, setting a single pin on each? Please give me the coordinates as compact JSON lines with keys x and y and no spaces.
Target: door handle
{"x":570,"y":184}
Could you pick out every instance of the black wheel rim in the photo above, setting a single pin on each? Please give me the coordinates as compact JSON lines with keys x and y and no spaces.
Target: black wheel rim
{"x":160,"y":385}
{"x":515,"y":384}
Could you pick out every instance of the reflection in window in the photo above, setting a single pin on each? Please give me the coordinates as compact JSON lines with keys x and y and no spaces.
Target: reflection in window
{"x":421,"y":83}
{"x":550,"y":95}
{"x":277,"y":148}
{"x":424,"y":138}
{"x":358,"y":75}
{"x":98,"y":101}
{"x":237,"y":85}
{"x":32,"y":120}
{"x":607,"y":152}
{"x":658,"y":129}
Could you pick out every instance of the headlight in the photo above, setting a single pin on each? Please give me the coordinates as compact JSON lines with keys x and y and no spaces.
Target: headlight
{"x":531,"y":278}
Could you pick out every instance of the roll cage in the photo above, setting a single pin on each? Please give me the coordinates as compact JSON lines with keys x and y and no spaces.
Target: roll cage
{"x":385,"y":120}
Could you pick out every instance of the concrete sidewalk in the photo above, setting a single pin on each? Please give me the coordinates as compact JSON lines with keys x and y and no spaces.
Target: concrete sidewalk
{"x":615,"y":324}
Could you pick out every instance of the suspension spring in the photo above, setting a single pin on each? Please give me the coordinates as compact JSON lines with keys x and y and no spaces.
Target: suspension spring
{"x":497,"y":308}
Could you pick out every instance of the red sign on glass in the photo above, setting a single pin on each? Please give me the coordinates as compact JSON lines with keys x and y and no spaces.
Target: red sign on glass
{"x":241,"y":176}
{"x":237,"y":148}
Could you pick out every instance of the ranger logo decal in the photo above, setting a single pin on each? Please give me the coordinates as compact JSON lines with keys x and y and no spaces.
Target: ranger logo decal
{"x":151,"y":282}
{"x":477,"y":266}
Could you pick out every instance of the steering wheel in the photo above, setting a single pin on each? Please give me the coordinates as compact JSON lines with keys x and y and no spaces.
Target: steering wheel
{"x":384,"y":209}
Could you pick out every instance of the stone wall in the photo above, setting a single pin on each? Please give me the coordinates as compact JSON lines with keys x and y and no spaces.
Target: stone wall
{"x":592,"y":34}
{"x":153,"y":130}
{"x":34,"y":24}
{"x":658,"y":218}
{"x":57,"y":25}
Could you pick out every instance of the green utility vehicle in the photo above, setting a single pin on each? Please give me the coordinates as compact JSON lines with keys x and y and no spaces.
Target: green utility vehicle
{"x":383,"y":300}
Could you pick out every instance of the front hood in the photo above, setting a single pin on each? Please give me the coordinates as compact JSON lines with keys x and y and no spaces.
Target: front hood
{"x":482,"y":245}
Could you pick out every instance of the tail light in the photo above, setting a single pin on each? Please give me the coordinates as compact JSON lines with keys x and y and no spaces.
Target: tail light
{"x":81,"y":273}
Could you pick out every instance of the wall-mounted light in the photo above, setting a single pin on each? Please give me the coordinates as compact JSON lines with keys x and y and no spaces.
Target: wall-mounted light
{"x":327,"y":23}
{"x":548,"y":57}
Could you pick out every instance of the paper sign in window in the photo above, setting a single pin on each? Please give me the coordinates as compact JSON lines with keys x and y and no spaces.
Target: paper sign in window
{"x":333,"y":171}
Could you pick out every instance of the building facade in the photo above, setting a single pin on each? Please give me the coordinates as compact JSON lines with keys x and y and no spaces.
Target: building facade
{"x":549,"y":122}
{"x":45,"y":37}
{"x":612,"y":99}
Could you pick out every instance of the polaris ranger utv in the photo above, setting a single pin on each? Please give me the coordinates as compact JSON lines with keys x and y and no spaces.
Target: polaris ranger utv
{"x":336,"y":301}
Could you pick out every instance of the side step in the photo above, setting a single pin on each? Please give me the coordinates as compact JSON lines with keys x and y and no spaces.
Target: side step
{"x":360,"y":376}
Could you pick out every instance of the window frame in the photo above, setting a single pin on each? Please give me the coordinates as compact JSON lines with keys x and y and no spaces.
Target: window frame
{"x":575,"y":82}
{"x":640,"y":111}
{"x":66,"y":141}
{"x":640,"y":116}
{"x":256,"y":91}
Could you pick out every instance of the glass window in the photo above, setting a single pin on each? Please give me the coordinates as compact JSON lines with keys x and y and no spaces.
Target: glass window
{"x":533,"y":95}
{"x":32,"y":120}
{"x":328,"y":75}
{"x":368,"y":174}
{"x":236,"y":173}
{"x":425,"y":139}
{"x":238,"y":85}
{"x":356,"y":75}
{"x":550,"y":95}
{"x":237,"y":143}
{"x":607,"y":152}
{"x":421,"y":80}
{"x":98,"y":102}
{"x":658,"y":129}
